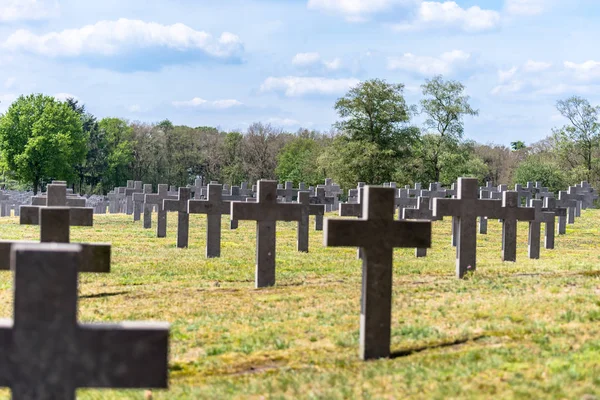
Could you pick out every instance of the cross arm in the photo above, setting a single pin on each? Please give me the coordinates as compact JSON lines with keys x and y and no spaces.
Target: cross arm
{"x":208,"y":207}
{"x":125,"y":355}
{"x":388,"y":233}
{"x":350,"y":210}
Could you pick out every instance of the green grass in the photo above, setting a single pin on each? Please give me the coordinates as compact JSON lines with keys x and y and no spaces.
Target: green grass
{"x":525,"y":330}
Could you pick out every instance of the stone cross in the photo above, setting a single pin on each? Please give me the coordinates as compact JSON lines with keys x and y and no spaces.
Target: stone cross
{"x":57,"y":197}
{"x":574,"y":194}
{"x":213,"y":207}
{"x":511,"y":214}
{"x":551,"y":204}
{"x":565,"y":199}
{"x":377,"y":233}
{"x":535,"y":228}
{"x":466,"y":208}
{"x":404,"y":201}
{"x":288,"y":193}
{"x":158,"y":198}
{"x":422,"y":212}
{"x":308,"y":209}
{"x":266,"y":212}
{"x":524,"y":193}
{"x":138,"y":203}
{"x":235,"y":194}
{"x":320,"y":198}
{"x":55,"y":228}
{"x":183,"y":218}
{"x":331,"y":190}
{"x":132,"y":187}
{"x":47,"y":354}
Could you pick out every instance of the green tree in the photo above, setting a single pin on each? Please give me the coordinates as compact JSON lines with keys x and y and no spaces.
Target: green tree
{"x":375,"y":114}
{"x":518,"y":145}
{"x":296,"y":162}
{"x":578,"y":143}
{"x":533,"y":169}
{"x":41,"y":139}
{"x":119,"y":151}
{"x":445,"y":105}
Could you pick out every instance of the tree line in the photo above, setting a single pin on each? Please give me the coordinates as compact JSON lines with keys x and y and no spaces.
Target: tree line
{"x":375,"y":140}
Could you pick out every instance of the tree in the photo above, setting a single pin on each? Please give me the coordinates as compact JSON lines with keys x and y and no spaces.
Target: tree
{"x":262,"y":143}
{"x":41,"y":139}
{"x":518,"y":145}
{"x":578,"y":142}
{"x":533,"y":169}
{"x":445,"y":106}
{"x":375,"y":116}
{"x":297,"y":162}
{"x":119,"y":150}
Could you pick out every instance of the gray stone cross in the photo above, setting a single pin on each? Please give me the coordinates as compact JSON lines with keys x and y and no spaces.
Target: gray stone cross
{"x":47,"y":354}
{"x":466,"y":208}
{"x":183,"y":218}
{"x":158,"y":198}
{"x":422,"y":212}
{"x":138,"y":204}
{"x":55,"y":228}
{"x":79,"y":215}
{"x":308,"y":209}
{"x":266,"y":212}
{"x":511,"y":214}
{"x":288,"y":192}
{"x":535,"y":228}
{"x":377,"y":233}
{"x":213,"y":207}
{"x":322,"y":199}
{"x":551,"y":204}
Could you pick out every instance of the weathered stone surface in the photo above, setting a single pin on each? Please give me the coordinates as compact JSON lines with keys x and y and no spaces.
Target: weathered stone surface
{"x":535,"y":224}
{"x":213,"y":207}
{"x":511,"y":214}
{"x":377,"y":234}
{"x":266,"y":212}
{"x":183,"y":218}
{"x":47,"y":354}
{"x":466,"y":208}
{"x":157,"y":199}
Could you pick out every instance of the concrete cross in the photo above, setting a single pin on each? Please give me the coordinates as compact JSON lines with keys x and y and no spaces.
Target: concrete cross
{"x":560,"y":213}
{"x":132,"y":187}
{"x":266,"y":212}
{"x":158,"y":198}
{"x":466,"y":208}
{"x":320,"y":198}
{"x":47,"y":354}
{"x":552,"y":204}
{"x":535,"y":228}
{"x":331,"y":190}
{"x":183,"y":218}
{"x":377,"y":233}
{"x":421,"y":212}
{"x":244,"y":191}
{"x":308,"y":209}
{"x":574,"y":194}
{"x":288,"y":192}
{"x":523,"y":193}
{"x":404,"y":201}
{"x":57,"y":197}
{"x":511,"y":214}
{"x":197,"y":188}
{"x":235,"y":194}
{"x":138,"y":203}
{"x":213,"y":207}
{"x":55,"y":228}
{"x":568,"y":201}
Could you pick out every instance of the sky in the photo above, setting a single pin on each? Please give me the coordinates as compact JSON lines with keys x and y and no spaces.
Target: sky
{"x":230,"y":63}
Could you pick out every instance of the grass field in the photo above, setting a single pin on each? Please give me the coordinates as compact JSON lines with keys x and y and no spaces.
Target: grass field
{"x":527,"y":330}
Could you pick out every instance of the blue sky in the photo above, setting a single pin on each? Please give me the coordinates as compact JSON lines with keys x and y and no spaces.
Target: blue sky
{"x":230,"y":63}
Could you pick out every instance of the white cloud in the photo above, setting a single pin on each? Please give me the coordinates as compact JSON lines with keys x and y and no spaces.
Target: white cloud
{"x":198,"y":102}
{"x":65,"y":96}
{"x":10,"y":82}
{"x":425,"y":65}
{"x":28,"y":10}
{"x":450,"y":15}
{"x":293,"y":86}
{"x":6,"y":100}
{"x":506,"y":75}
{"x":283,"y":121}
{"x":333,"y":65}
{"x":107,"y":38}
{"x":536,"y":66}
{"x":306,"y":59}
{"x":506,"y":88}
{"x":135,"y":108}
{"x":357,"y":10}
{"x":588,"y":70}
{"x":526,"y":7}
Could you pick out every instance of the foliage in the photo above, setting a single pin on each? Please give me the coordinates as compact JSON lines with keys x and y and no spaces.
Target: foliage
{"x":41,"y":139}
{"x":296,"y":162}
{"x":535,"y":170}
